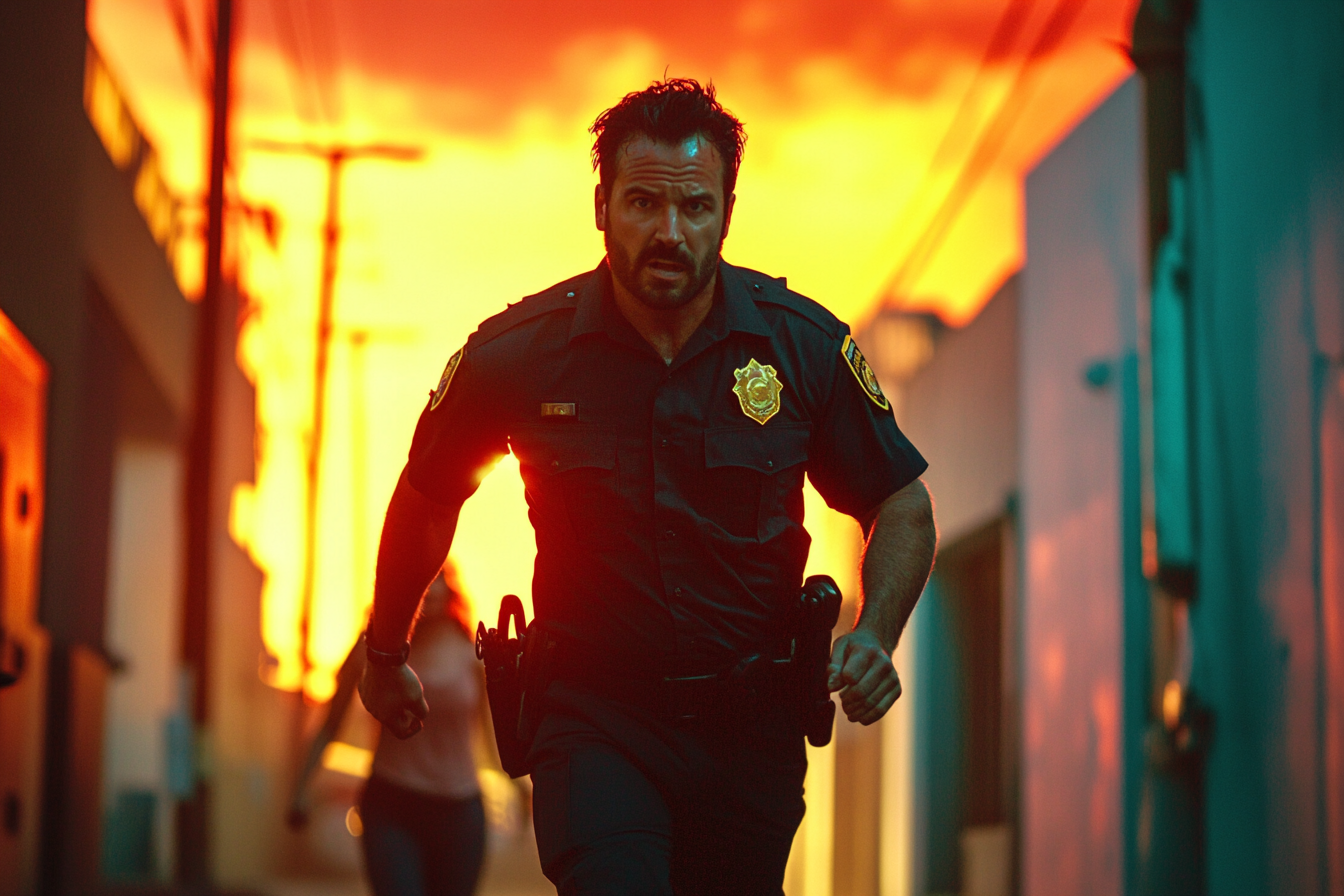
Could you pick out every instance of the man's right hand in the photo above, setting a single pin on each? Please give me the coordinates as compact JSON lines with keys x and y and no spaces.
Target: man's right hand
{"x":393,"y":696}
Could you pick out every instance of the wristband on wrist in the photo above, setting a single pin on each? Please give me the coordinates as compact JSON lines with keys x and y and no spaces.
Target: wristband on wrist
{"x":382,"y":657}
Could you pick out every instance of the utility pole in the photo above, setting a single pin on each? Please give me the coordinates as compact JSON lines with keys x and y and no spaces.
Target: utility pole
{"x":336,"y":157}
{"x":193,"y":813}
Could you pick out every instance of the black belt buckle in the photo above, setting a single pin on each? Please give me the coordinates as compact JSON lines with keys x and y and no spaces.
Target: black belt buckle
{"x":741,"y":692}
{"x":688,"y":697}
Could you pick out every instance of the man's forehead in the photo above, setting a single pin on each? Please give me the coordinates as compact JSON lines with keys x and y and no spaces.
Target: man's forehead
{"x":691,"y":157}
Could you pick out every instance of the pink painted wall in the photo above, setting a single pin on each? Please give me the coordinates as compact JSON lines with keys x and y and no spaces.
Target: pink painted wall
{"x":1080,"y":288}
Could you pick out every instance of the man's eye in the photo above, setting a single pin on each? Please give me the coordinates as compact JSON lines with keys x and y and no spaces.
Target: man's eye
{"x":640,"y":202}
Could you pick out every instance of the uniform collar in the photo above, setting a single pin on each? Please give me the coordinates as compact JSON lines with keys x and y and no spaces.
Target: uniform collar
{"x":739,"y":311}
{"x":590,"y":295}
{"x":738,"y":292}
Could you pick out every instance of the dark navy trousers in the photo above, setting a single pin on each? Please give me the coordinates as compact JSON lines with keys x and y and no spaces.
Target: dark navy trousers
{"x":629,"y":803}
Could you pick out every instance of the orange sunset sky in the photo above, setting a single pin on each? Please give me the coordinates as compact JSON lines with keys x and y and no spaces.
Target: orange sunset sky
{"x":861,"y":116}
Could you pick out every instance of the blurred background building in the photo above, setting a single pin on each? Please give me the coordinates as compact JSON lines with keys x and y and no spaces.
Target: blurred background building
{"x":96,"y":737}
{"x":1128,"y":669}
{"x":1127,"y":674}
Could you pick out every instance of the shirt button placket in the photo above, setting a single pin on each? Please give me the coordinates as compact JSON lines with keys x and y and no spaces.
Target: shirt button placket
{"x":671,"y":561}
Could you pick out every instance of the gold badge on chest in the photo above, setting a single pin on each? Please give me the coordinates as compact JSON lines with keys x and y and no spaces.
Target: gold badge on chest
{"x":758,"y":390}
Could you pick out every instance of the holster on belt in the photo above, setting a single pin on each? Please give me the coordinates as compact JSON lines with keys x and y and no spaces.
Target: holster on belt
{"x":813,"y":621}
{"x":513,"y":672}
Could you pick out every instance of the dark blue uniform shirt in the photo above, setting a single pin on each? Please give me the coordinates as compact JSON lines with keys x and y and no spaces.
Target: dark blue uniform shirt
{"x":667,"y":499}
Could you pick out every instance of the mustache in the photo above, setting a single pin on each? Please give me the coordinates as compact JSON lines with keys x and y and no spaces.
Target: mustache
{"x":675,"y":255}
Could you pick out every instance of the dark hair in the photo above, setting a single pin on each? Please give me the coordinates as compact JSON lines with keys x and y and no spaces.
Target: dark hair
{"x":456,"y":608}
{"x":668,"y":112}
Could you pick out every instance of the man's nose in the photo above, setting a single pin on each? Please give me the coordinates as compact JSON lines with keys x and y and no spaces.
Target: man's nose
{"x":669,"y":227}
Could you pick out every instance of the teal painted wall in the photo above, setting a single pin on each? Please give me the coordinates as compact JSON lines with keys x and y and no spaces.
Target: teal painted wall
{"x":1266,"y":174}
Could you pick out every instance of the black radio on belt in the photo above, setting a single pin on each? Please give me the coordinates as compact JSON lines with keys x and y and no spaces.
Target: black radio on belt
{"x":814,"y":620}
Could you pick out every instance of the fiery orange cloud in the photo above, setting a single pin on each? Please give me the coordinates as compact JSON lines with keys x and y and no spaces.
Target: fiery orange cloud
{"x":844,"y":103}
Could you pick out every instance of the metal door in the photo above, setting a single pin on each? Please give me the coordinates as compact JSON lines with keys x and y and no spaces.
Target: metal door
{"x":23,"y":645}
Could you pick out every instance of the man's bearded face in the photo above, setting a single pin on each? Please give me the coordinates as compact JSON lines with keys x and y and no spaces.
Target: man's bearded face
{"x":665,"y":220}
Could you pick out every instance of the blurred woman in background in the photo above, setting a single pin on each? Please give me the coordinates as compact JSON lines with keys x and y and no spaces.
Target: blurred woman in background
{"x":423,"y":820}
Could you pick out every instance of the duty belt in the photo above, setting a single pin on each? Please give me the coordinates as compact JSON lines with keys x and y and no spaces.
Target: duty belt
{"x":754,"y":683}
{"x":519,"y":670}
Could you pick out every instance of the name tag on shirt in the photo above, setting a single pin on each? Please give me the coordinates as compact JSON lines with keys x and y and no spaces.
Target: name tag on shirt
{"x":559,"y":409}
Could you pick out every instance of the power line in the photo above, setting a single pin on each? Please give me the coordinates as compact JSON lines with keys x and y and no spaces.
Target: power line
{"x":963,"y":123}
{"x":197,"y":66}
{"x":301,"y":88}
{"x":322,"y":40}
{"x":985,"y":152}
{"x":309,"y":48}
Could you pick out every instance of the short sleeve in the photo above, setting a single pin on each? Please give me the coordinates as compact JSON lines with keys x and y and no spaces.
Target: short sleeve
{"x":460,"y":436}
{"x":859,"y":457}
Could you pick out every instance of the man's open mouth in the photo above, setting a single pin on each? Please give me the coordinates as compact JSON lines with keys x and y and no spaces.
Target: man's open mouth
{"x":666,"y":268}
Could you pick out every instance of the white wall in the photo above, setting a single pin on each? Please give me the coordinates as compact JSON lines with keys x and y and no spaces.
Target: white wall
{"x":143,"y":623}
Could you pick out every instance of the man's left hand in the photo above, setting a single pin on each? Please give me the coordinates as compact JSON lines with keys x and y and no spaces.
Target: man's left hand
{"x":861,"y":670}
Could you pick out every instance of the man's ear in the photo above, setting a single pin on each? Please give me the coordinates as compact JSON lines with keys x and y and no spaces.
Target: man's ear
{"x":600,"y":207}
{"x":728,"y":215}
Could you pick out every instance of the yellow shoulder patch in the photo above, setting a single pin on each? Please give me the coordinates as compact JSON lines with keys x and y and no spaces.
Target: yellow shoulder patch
{"x":447,"y":378}
{"x":858,"y":365}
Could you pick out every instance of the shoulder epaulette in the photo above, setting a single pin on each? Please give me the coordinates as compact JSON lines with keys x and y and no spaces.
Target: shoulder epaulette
{"x":555,"y":298}
{"x":775,"y":291}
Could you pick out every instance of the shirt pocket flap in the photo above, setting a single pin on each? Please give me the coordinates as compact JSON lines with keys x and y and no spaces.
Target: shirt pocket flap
{"x":766,"y":449}
{"x":555,"y":449}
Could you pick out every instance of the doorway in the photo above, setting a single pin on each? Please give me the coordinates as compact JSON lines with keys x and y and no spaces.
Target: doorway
{"x":965,"y":758}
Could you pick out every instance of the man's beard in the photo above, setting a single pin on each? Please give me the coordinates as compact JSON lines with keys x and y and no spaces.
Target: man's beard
{"x":658,"y":296}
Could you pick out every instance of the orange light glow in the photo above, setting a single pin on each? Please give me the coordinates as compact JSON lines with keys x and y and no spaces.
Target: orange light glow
{"x":843,"y":105}
{"x":347,"y":759}
{"x":1173,"y":700}
{"x":354,"y":825}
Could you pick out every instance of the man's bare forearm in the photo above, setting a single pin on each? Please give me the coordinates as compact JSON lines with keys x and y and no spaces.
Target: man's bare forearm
{"x":417,"y":534}
{"x":897,"y":559}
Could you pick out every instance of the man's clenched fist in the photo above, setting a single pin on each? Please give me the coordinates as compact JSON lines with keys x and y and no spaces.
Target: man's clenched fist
{"x":861,"y":670}
{"x":393,"y":696}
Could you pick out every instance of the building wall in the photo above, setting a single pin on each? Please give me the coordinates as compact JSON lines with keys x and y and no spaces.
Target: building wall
{"x":83,"y":278}
{"x":42,"y":283}
{"x":960,"y":410}
{"x":45,"y":292}
{"x":1266,"y":168}
{"x":1078,"y":323}
{"x":120,"y":255}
